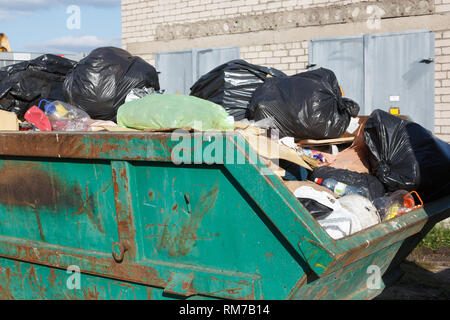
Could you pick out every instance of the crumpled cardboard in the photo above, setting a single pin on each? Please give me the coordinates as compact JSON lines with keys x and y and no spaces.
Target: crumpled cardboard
{"x":8,"y":121}
{"x":355,"y":158}
{"x":268,"y":148}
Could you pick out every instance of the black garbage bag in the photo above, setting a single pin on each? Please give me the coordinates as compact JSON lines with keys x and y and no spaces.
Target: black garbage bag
{"x":316,"y":209}
{"x":366,"y":181}
{"x":100,"y":82}
{"x":232,"y":85}
{"x":308,"y":105}
{"x":405,"y":155}
{"x":24,"y":84}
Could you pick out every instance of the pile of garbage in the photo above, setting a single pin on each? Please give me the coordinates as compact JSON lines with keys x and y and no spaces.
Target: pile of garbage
{"x":100,"y":83}
{"x":24,"y":84}
{"x":308,"y":105}
{"x":52,"y":93}
{"x":386,"y":165}
{"x":393,"y":167}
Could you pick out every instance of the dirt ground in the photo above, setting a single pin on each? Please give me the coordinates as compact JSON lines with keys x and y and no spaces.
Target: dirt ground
{"x":427,"y":277}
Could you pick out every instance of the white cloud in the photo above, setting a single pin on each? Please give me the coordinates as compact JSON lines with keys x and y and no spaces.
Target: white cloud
{"x":8,"y":14}
{"x":71,"y":44}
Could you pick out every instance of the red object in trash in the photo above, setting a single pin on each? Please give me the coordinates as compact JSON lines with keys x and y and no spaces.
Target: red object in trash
{"x":38,"y":118}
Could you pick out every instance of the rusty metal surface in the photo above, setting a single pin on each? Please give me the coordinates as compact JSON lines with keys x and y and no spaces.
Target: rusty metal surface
{"x":228,"y":285}
{"x":87,"y":145}
{"x":30,"y":186}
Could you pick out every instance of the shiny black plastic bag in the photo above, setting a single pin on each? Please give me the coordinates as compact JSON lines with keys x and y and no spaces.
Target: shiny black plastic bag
{"x":232,"y":85}
{"x":315,"y":208}
{"x":100,"y":82}
{"x":24,"y":84}
{"x":308,"y":105}
{"x":405,"y":155}
{"x":360,"y":180}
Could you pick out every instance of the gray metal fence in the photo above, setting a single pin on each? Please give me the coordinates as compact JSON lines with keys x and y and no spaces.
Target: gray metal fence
{"x":8,"y":58}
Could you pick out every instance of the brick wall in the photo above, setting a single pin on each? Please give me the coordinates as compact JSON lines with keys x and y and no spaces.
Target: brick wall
{"x":140,"y":17}
{"x":442,"y":5}
{"x":291,"y":57}
{"x":442,"y":85}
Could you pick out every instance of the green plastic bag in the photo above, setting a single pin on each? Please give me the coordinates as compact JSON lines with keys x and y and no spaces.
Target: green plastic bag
{"x":164,"y":111}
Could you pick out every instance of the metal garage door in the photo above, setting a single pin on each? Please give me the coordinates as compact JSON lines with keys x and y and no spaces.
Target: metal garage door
{"x":345,"y":56}
{"x":179,"y":70}
{"x":175,"y":71}
{"x":394,"y":70}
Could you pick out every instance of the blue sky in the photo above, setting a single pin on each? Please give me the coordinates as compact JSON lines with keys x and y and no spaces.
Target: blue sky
{"x":42,"y":25}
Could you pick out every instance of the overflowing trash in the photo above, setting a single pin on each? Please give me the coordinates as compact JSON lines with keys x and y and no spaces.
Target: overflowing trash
{"x":232,"y":85}
{"x":350,"y":172}
{"x":100,"y":83}
{"x":313,"y":155}
{"x":306,"y":105}
{"x":389,"y":157}
{"x":24,"y":84}
{"x":366,"y":184}
{"x":58,"y":116}
{"x":340,"y":188}
{"x":339,"y":217}
{"x":65,"y":117}
{"x":398,"y":203}
{"x":404,"y":155}
{"x":354,"y":158}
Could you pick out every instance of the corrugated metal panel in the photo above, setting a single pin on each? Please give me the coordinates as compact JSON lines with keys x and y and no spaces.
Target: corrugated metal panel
{"x":399,"y":73}
{"x":381,"y":71}
{"x":345,"y":56}
{"x":209,"y":59}
{"x":179,"y":70}
{"x":175,"y":71}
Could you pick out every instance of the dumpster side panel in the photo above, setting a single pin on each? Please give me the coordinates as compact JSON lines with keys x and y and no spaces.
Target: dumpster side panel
{"x":198,"y":215}
{"x":188,"y":230}
{"x":277,"y":204}
{"x":360,"y":280}
{"x":60,"y":203}
{"x":281,"y":207}
{"x":374,"y":239}
{"x":119,"y":209}
{"x":25,"y":281}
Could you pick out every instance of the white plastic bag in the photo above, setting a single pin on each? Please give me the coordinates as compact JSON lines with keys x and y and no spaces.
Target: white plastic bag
{"x":350,"y":214}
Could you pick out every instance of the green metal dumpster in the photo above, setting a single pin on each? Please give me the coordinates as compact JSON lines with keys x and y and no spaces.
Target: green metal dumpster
{"x":116,"y":216}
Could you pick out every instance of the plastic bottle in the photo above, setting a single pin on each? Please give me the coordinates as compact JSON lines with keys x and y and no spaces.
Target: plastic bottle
{"x":340,"y":188}
{"x":397,"y":203}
